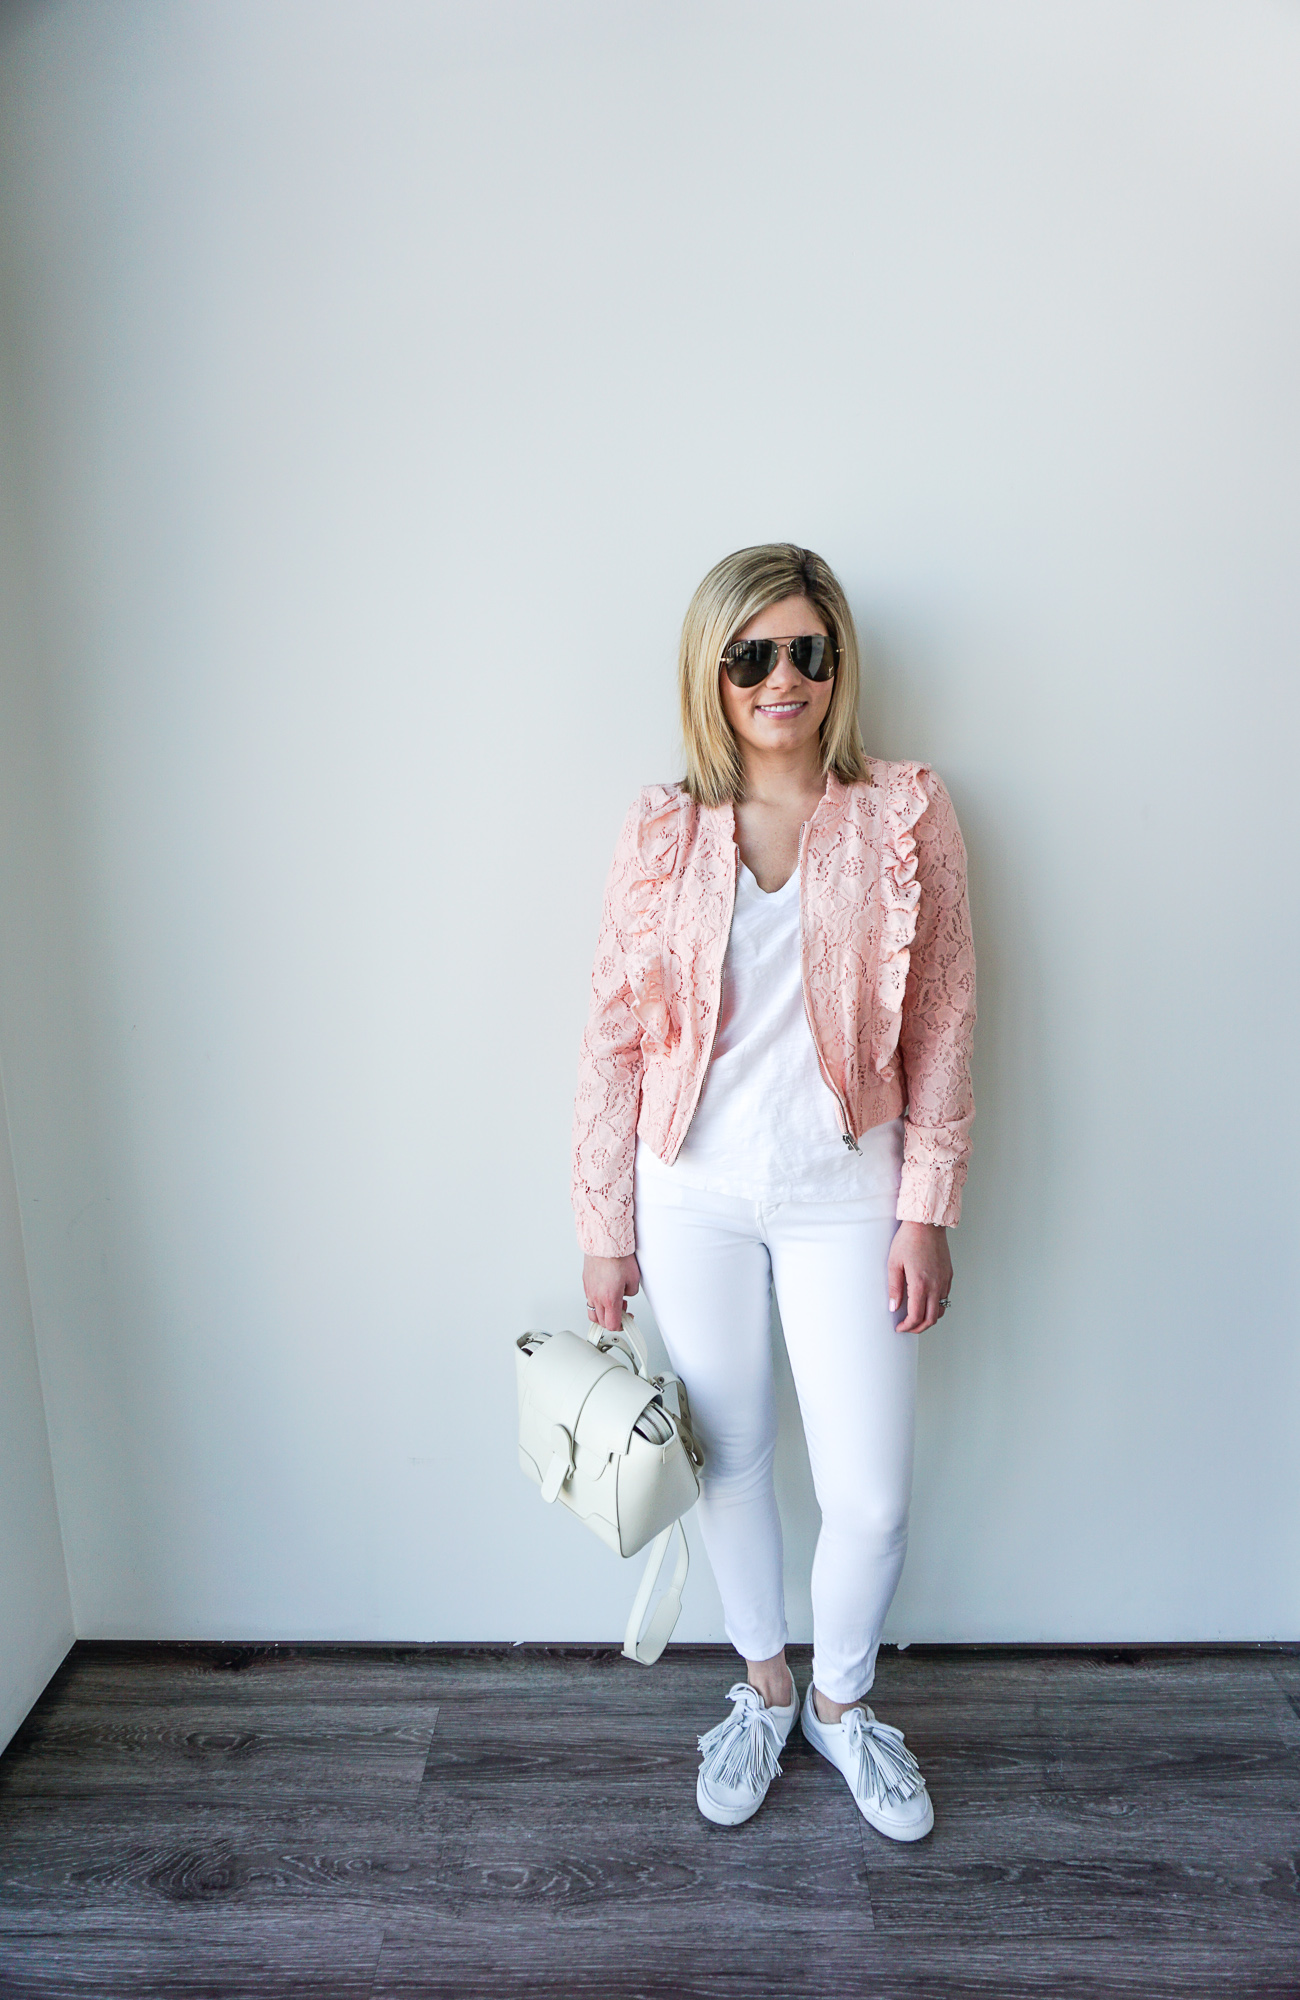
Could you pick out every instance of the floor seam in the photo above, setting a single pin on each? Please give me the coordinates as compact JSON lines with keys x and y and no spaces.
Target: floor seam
{"x":379,"y":1953}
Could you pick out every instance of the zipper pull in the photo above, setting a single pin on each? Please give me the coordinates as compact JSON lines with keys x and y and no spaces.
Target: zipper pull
{"x":852,"y":1143}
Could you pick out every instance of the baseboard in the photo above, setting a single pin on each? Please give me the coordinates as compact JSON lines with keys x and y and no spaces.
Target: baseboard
{"x":235,"y":1653}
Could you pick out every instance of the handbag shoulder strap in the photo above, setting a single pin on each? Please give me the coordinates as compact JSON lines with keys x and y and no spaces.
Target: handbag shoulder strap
{"x":685,"y":1429}
{"x":645,"y":1647}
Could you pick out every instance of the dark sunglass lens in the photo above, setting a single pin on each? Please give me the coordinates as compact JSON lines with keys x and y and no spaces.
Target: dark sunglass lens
{"x":750,"y":661}
{"x":812,"y":656}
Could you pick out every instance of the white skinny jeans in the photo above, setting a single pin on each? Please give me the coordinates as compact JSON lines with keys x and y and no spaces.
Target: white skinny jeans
{"x":708,"y":1265}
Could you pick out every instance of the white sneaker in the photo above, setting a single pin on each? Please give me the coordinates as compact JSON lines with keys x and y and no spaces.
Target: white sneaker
{"x":883,"y":1775}
{"x":742,"y":1756}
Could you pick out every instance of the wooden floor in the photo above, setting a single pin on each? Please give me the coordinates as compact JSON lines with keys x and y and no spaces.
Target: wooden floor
{"x":343,"y":1823}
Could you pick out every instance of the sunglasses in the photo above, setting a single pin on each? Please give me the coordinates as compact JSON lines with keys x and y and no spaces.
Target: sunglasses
{"x":749,"y":661}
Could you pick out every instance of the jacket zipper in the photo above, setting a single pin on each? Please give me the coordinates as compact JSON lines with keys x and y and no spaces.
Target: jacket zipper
{"x":846,"y":1123}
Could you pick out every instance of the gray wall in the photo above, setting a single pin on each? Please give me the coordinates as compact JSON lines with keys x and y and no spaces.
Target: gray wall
{"x":387,"y":376}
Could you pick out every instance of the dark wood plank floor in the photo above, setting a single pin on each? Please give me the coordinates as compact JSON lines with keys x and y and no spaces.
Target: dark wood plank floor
{"x":400,"y":1822}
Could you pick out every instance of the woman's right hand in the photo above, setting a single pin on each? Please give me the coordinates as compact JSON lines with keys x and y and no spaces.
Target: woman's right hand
{"x":606,"y":1282}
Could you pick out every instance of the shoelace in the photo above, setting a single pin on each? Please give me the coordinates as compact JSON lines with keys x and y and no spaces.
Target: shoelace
{"x":887,"y":1770}
{"x":745,"y":1749}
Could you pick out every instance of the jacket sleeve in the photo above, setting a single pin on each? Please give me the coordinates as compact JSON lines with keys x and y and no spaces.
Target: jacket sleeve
{"x":608,"y":1098}
{"x":938,"y":1024}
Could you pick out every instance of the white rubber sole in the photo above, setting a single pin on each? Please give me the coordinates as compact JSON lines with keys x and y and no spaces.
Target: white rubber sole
{"x":882,"y":1822}
{"x":722,"y":1815}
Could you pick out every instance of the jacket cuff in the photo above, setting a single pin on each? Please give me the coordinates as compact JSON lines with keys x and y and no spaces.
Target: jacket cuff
{"x":931,"y":1194}
{"x":602,"y":1239}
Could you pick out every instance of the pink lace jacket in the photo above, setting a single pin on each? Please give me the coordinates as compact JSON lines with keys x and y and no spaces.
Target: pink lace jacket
{"x":888,"y":973}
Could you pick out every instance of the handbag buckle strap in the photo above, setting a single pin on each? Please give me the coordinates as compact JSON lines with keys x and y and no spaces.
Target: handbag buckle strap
{"x":561,"y":1465}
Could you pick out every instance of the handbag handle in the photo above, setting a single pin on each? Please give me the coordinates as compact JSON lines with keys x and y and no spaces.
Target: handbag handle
{"x":629,"y":1341}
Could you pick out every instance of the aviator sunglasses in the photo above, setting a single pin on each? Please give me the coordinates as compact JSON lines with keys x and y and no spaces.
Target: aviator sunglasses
{"x":749,"y":661}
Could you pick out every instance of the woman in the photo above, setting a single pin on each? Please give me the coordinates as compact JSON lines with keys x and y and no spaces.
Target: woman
{"x":774,"y":1094}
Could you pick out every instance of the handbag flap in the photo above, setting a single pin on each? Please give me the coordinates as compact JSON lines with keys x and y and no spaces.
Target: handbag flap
{"x":569,"y":1381}
{"x":611,"y":1411}
{"x":558,"y":1378}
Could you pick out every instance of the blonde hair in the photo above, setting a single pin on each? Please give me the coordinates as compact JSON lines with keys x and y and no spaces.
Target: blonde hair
{"x":734,"y":591}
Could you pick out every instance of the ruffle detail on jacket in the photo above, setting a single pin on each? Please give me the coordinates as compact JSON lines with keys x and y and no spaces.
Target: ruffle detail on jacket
{"x":900,"y":899}
{"x":659,"y":832}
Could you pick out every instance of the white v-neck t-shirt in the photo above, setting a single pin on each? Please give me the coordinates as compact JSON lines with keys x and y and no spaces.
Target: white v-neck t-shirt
{"x":766,"y":1126}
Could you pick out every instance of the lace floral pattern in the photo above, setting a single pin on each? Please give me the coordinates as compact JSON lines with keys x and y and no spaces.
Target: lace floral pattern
{"x":890,"y":973}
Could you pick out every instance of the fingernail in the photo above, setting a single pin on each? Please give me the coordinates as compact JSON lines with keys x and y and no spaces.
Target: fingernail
{"x":893,"y":1305}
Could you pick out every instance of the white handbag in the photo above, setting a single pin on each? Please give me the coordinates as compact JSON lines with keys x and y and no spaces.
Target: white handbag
{"x":597,"y":1435}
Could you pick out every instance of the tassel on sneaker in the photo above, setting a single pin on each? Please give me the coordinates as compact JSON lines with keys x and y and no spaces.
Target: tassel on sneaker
{"x":742,"y":1756}
{"x":882,"y":1774}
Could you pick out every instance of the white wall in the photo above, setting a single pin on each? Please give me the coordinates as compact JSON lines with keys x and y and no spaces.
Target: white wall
{"x":35,"y":1610}
{"x":388,"y":375}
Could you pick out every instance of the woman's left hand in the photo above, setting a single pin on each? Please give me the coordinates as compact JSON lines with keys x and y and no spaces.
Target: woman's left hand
{"x":920,"y":1265}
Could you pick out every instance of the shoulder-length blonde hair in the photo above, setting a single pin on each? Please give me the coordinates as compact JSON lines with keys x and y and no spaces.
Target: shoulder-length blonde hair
{"x":734,"y":591}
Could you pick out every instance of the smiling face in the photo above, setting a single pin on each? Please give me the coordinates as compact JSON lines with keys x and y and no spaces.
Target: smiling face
{"x":784,"y":713}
